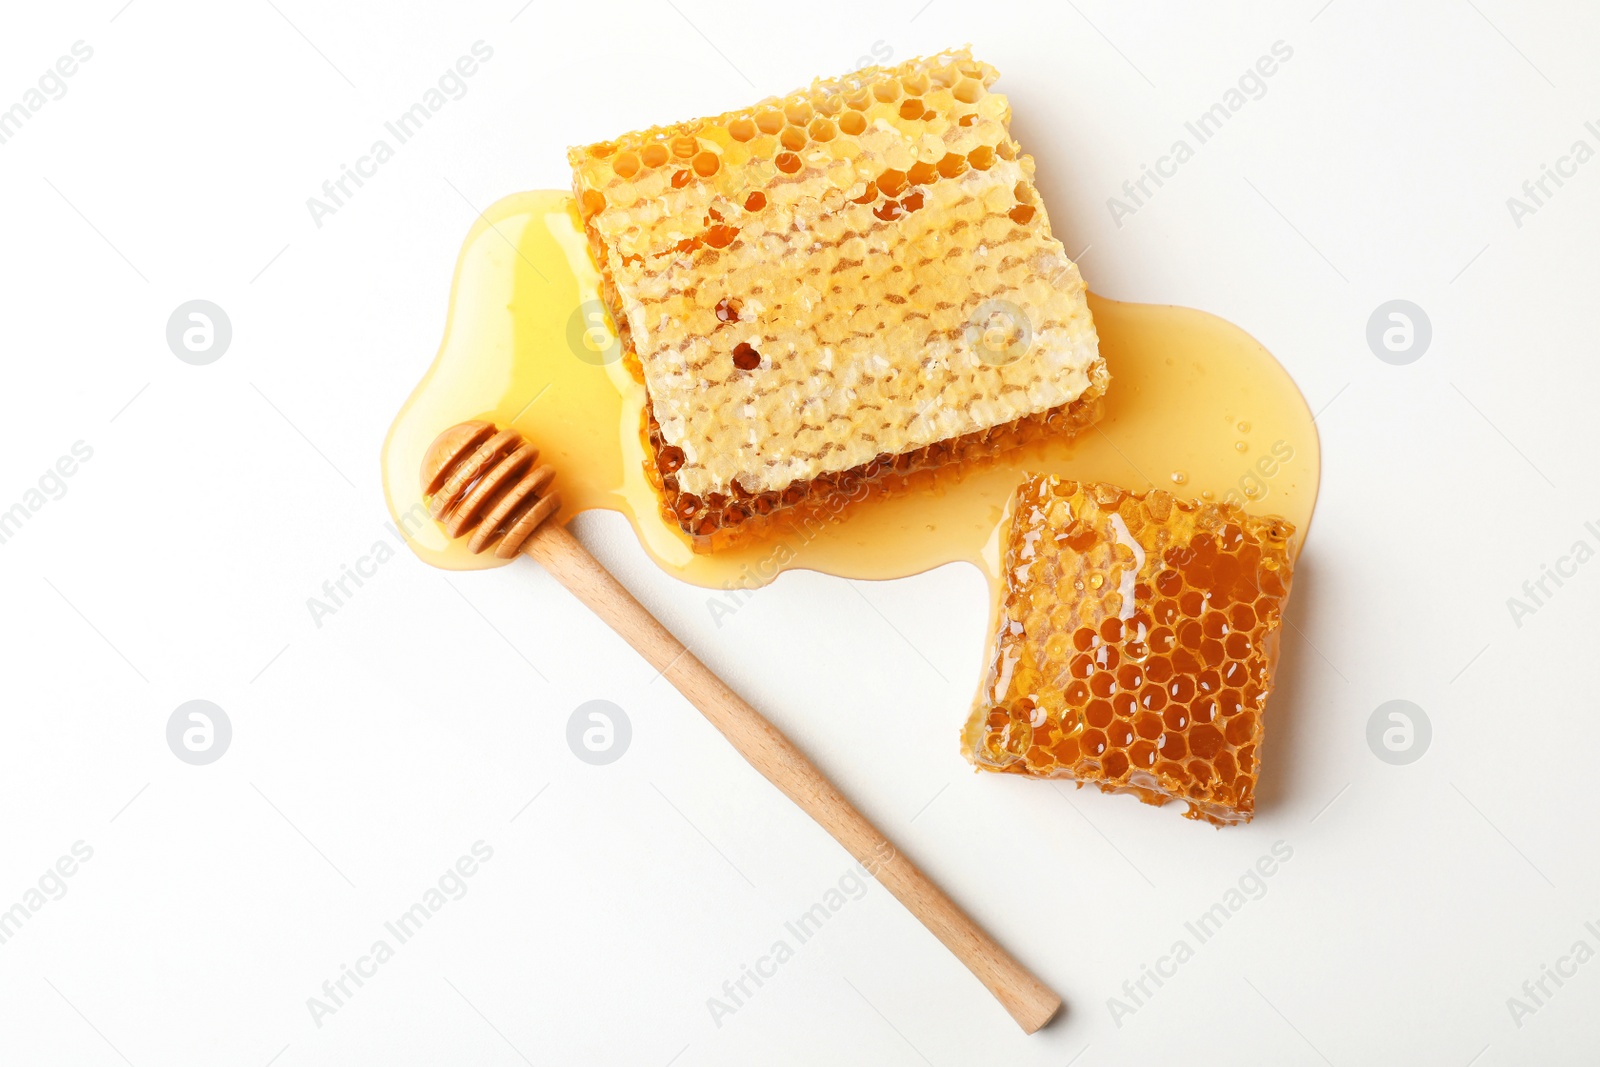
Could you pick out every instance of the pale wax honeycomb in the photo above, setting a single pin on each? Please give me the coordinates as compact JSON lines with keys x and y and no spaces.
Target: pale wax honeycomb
{"x":808,"y":288}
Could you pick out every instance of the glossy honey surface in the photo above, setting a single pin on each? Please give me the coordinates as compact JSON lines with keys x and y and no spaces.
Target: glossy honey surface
{"x":1195,"y":406}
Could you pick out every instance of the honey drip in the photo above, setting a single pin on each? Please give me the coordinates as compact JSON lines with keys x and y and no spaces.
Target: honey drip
{"x":528,"y":346}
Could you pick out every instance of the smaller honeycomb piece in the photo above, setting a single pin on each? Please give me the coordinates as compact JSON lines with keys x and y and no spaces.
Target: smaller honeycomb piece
{"x":1136,"y":645}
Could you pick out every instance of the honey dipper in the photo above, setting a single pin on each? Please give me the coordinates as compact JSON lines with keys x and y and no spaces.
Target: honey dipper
{"x":487,"y":484}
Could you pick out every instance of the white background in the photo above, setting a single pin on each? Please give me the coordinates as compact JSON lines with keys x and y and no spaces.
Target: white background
{"x":369,"y":753}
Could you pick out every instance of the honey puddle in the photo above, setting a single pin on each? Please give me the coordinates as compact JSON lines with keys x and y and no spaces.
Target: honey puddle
{"x":1195,"y":406}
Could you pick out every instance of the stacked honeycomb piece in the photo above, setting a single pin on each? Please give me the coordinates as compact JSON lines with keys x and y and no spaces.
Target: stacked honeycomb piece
{"x":827,"y":293}
{"x":1136,"y":645}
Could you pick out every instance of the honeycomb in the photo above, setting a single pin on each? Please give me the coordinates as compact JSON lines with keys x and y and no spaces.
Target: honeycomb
{"x":826,"y":293}
{"x":1136,"y":645}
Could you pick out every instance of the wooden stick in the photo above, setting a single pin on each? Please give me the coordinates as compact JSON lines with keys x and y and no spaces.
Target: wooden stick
{"x":1030,"y":1002}
{"x":484,"y":483}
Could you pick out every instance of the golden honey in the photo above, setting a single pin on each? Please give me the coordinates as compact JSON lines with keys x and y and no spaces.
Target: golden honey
{"x":1197,"y":409}
{"x":1135,"y":645}
{"x":1195,"y":406}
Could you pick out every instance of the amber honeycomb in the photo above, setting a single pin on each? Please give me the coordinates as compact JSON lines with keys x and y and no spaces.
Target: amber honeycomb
{"x":807,"y":289}
{"x":1136,"y":645}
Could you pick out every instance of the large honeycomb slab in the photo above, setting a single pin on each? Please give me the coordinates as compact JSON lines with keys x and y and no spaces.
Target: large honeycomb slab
{"x":837,"y":288}
{"x":1136,"y":645}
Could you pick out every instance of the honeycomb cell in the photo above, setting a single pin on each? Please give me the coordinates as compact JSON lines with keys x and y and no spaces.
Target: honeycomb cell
{"x":1172,"y":745}
{"x":1205,"y":740}
{"x":1241,"y":729}
{"x":952,"y":165}
{"x":1180,"y":717}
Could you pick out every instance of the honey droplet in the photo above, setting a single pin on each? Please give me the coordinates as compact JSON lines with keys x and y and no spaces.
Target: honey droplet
{"x":1240,"y":446}
{"x":1244,"y":427}
{"x":1180,"y":477}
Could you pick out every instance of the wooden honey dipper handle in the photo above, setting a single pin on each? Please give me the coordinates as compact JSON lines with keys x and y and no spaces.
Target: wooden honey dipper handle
{"x":472,"y":472}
